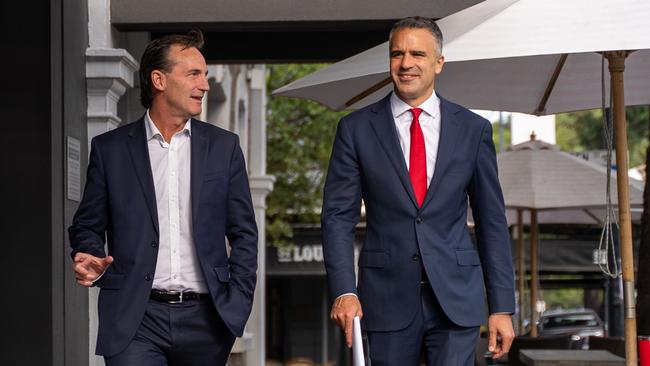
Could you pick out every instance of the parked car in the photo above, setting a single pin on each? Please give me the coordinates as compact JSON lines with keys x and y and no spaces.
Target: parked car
{"x":579,"y":323}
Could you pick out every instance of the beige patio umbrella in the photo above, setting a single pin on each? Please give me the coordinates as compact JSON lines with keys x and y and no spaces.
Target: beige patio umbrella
{"x":538,"y":177}
{"x":530,"y":56}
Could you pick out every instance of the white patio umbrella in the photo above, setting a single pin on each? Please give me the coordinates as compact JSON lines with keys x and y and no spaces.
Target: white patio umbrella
{"x":531,"y":56}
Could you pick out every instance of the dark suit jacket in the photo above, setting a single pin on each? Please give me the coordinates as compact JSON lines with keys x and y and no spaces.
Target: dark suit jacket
{"x":367,"y":162}
{"x":119,"y":203}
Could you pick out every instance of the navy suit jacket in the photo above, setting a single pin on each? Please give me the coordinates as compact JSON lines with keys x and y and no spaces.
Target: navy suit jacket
{"x":367,"y":163}
{"x":119,"y":204}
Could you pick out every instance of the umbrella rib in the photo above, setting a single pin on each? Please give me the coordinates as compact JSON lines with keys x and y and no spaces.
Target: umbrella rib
{"x":590,"y":214}
{"x":541,"y":108}
{"x":367,"y":92}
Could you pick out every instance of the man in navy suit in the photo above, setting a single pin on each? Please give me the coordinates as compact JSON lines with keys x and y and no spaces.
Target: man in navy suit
{"x":415,"y":159}
{"x":165,"y":191}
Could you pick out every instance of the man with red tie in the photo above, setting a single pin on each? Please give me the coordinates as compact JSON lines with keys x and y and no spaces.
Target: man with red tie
{"x":416,"y":159}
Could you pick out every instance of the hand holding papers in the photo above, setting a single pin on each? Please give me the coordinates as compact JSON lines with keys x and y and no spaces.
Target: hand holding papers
{"x":357,"y":344}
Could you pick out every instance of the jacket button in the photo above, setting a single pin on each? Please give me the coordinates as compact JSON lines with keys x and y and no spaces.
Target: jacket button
{"x":416,"y":257}
{"x":147,"y":277}
{"x":418,"y":220}
{"x":154,"y":244}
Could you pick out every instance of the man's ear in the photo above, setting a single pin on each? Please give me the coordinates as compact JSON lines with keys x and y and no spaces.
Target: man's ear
{"x":439,"y":64}
{"x":158,"y":80}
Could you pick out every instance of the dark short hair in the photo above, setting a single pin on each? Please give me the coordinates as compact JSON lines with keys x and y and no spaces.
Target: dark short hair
{"x":156,"y":57}
{"x":419,"y":23}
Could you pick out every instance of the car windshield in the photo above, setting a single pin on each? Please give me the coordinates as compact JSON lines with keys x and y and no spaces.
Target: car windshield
{"x":575,"y":320}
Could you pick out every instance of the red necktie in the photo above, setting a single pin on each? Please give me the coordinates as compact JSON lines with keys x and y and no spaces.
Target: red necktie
{"x":418,"y":159}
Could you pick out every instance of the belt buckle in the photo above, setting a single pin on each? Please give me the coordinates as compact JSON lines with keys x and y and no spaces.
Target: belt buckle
{"x":180,"y":297}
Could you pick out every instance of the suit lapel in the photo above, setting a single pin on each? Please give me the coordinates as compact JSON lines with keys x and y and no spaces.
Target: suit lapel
{"x":199,"y":156}
{"x":450,"y":131}
{"x":383,"y":125}
{"x":138,"y":149}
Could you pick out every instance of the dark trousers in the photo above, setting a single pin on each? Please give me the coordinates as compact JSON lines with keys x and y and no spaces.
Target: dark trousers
{"x":431,"y":333}
{"x":187,"y":334}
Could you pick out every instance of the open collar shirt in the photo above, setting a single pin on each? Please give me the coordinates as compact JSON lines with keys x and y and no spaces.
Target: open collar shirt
{"x":177,"y":266}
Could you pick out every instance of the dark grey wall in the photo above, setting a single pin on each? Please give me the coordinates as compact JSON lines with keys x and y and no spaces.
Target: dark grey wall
{"x":43,"y":67}
{"x":75,"y":305}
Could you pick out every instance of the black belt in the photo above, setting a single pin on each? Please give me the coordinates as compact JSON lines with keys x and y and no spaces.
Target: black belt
{"x":175,"y":297}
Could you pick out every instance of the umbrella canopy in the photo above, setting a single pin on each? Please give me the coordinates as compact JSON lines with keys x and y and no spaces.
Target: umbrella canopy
{"x":564,"y":188}
{"x":530,"y":56}
{"x":537,"y":175}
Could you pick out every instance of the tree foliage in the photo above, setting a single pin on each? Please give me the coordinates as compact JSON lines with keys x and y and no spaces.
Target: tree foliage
{"x":300,"y":135}
{"x":580,"y":131}
{"x":507,"y":135}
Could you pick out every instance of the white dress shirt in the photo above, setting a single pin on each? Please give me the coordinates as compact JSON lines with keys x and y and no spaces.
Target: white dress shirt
{"x":177,"y":267}
{"x":429,"y":122}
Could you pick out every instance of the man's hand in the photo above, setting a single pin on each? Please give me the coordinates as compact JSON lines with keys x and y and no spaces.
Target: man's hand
{"x":501,"y":334}
{"x":344,"y":310}
{"x":88,"y":268}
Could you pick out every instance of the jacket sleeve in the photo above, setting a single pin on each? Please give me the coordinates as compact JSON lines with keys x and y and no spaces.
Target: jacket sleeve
{"x":341,"y":211}
{"x":88,"y":230}
{"x":241,"y":229}
{"x":492,"y":236}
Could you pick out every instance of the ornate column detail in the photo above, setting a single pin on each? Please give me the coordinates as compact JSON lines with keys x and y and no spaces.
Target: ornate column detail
{"x":109,"y":72}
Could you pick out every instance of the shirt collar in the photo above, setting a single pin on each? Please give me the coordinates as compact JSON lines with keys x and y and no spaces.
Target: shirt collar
{"x":431,"y":106}
{"x":153,"y":131}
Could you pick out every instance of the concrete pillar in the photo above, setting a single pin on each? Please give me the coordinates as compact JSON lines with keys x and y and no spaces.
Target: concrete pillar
{"x":109,"y":73}
{"x":261,"y":186}
{"x":217,"y":111}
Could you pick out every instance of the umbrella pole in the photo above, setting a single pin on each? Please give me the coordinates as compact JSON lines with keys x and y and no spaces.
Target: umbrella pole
{"x":533,"y":273}
{"x":521,"y":269}
{"x":616,"y":68}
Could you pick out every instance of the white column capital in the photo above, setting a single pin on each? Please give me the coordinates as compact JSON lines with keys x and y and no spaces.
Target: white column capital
{"x":111,"y":63}
{"x":109,"y":73}
{"x":262,"y":183}
{"x":261,"y":186}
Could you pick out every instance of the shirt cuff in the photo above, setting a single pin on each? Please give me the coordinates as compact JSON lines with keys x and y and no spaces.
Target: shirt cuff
{"x":346,"y":294}
{"x":98,"y":277}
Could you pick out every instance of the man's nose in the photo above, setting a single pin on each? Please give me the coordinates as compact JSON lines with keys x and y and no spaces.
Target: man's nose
{"x":205,"y":84}
{"x":407,"y":62}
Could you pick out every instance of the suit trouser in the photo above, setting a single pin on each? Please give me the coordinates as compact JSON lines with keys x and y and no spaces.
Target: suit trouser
{"x":431,"y":333}
{"x":186,"y":334}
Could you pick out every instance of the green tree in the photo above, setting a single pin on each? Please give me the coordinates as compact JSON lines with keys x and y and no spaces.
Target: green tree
{"x":299,"y":138}
{"x":580,"y":131}
{"x":506,"y":134}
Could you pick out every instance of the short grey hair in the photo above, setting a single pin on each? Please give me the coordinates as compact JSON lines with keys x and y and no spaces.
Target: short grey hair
{"x":418,"y":23}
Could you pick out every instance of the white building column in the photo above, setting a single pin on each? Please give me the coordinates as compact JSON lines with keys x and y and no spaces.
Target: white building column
{"x":261,"y":186}
{"x":109,"y":73}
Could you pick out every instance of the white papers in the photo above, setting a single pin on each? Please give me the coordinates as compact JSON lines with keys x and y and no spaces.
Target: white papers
{"x":357,"y":344}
